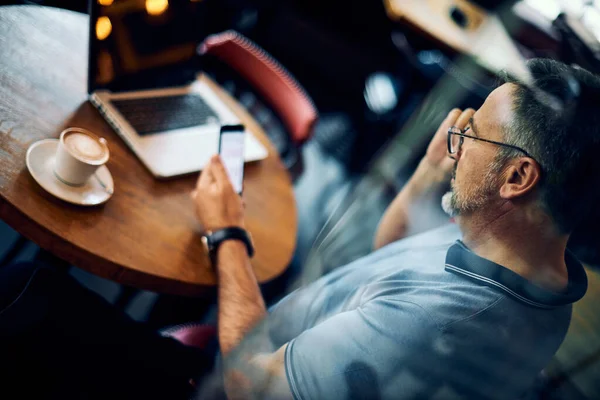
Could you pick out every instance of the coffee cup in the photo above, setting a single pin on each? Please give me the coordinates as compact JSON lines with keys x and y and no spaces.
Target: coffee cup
{"x":80,"y":153}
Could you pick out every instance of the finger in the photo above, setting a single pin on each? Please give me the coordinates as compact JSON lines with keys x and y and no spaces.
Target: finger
{"x":464,"y":118}
{"x":450,"y":119}
{"x":206,"y":176}
{"x":218,"y":169}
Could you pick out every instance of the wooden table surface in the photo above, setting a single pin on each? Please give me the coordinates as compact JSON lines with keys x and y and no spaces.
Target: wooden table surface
{"x":146,"y":235}
{"x":484,"y":38}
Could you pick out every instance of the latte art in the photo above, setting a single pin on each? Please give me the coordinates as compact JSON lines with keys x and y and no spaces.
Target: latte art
{"x":85,"y":147}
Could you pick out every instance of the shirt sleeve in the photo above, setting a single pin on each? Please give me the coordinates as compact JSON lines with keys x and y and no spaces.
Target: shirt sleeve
{"x":374,"y":351}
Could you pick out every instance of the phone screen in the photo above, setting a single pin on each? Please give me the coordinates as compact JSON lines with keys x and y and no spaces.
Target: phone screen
{"x":231,"y":149}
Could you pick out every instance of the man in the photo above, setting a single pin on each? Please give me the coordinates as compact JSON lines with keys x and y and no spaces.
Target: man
{"x":475,"y":309}
{"x":470,"y":310}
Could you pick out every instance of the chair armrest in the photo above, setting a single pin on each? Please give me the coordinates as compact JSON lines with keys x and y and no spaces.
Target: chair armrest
{"x":269,"y":78}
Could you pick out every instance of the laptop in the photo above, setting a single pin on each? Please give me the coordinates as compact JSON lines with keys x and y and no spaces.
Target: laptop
{"x":144,"y":78}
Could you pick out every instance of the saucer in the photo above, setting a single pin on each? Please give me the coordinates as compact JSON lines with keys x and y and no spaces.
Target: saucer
{"x":40,"y":163}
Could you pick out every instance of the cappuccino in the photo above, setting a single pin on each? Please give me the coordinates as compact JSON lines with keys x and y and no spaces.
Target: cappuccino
{"x":78,"y":155}
{"x":85,"y":147}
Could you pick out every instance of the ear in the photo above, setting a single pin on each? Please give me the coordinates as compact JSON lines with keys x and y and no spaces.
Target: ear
{"x":520,"y":178}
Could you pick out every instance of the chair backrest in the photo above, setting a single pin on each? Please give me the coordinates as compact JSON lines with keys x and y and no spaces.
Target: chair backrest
{"x":269,"y":78}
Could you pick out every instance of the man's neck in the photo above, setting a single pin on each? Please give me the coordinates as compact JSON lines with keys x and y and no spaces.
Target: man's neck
{"x":521,"y":241}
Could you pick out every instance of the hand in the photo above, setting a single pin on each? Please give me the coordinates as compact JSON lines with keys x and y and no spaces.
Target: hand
{"x":433,"y":171}
{"x":437,"y":151}
{"x":217,"y":204}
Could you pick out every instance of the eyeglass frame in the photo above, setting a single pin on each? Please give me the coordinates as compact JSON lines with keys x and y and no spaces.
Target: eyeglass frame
{"x":461,"y":133}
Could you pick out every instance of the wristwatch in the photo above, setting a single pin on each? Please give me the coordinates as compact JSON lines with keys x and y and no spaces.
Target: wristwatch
{"x":212,"y":240}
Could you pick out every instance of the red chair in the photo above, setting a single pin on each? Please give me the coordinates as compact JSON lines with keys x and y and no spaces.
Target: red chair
{"x":269,"y":92}
{"x":192,"y":334}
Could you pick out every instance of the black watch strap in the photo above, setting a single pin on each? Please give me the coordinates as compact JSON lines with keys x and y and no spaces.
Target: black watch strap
{"x":214,"y":239}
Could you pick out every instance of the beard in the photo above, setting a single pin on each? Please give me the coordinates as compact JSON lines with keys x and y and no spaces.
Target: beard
{"x":447,"y":204}
{"x":467,"y":200}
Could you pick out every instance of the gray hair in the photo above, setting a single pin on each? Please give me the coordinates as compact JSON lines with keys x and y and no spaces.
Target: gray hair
{"x":557,"y":121}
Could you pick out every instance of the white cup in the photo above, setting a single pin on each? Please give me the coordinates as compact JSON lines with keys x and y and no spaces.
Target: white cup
{"x":77,"y":161}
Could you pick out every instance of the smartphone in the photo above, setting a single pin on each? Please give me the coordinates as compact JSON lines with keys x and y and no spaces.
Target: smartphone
{"x":231,"y":150}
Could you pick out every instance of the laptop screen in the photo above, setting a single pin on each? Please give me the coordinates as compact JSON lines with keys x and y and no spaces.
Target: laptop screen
{"x":141,"y":44}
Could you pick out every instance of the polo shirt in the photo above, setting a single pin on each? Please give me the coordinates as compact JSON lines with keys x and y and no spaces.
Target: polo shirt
{"x":423,"y":317}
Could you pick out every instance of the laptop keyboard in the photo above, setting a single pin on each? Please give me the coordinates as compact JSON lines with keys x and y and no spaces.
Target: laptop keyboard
{"x":167,"y":113}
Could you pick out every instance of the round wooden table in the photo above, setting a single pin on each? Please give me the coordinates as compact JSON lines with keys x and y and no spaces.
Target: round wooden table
{"x":146,"y":235}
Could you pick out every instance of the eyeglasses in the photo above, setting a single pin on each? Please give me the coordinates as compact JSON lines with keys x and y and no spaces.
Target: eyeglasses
{"x":456,"y":138}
